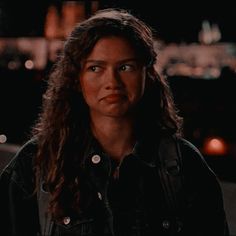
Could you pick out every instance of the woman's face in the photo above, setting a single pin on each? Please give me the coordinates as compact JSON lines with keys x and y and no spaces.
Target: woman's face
{"x":112,"y":78}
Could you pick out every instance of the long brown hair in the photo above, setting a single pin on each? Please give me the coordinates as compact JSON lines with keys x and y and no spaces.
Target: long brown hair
{"x":62,"y":124}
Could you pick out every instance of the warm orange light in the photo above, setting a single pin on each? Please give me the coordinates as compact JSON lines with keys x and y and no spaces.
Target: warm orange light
{"x":52,"y":23}
{"x":215,"y":146}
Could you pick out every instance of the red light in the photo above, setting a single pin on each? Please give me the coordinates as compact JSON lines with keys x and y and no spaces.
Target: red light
{"x":215,"y":146}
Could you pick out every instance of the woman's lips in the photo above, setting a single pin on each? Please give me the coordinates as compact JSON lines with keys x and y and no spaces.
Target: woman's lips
{"x":114,"y":98}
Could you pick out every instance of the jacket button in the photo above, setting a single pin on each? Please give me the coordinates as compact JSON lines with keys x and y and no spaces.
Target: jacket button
{"x":66,"y":220}
{"x":166,"y":224}
{"x":179,"y":226}
{"x":99,"y":195}
{"x":96,"y":159}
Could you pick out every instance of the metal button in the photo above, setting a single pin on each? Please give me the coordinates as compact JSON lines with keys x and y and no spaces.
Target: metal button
{"x":99,"y":195}
{"x":76,"y":180}
{"x":166,"y":224}
{"x":66,"y":220}
{"x":96,"y":159}
{"x":179,"y":226}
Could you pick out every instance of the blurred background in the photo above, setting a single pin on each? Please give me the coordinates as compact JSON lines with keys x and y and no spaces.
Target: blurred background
{"x":196,"y":45}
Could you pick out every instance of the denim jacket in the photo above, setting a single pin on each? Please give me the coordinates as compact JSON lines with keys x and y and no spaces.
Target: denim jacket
{"x":131,"y":205}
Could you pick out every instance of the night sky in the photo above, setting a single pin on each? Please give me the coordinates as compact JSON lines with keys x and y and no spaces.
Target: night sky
{"x":174,"y":21}
{"x":180,"y":21}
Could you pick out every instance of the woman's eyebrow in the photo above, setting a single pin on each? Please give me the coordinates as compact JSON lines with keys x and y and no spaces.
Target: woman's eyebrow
{"x":119,"y":61}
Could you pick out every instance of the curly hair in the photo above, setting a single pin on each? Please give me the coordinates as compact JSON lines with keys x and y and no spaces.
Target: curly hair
{"x":62,"y":124}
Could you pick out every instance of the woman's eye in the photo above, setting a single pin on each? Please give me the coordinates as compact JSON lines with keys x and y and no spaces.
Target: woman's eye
{"x":94,"y":68}
{"x":126,"y":67}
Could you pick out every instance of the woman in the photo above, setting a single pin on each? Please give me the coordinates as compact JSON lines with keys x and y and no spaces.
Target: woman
{"x":92,"y":165}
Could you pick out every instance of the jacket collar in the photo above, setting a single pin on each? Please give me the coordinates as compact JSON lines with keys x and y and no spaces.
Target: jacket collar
{"x":145,"y":149}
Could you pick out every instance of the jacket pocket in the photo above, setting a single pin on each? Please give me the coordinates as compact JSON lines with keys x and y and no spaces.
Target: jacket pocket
{"x":71,"y":227}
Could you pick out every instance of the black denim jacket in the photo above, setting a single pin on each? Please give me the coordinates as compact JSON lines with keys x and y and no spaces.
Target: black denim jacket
{"x":133,"y":204}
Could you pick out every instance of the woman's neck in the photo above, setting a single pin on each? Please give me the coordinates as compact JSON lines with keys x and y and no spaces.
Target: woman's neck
{"x":116,"y":136}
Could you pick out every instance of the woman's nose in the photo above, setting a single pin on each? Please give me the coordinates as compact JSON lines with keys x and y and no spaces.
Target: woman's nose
{"x":113,"y":80}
